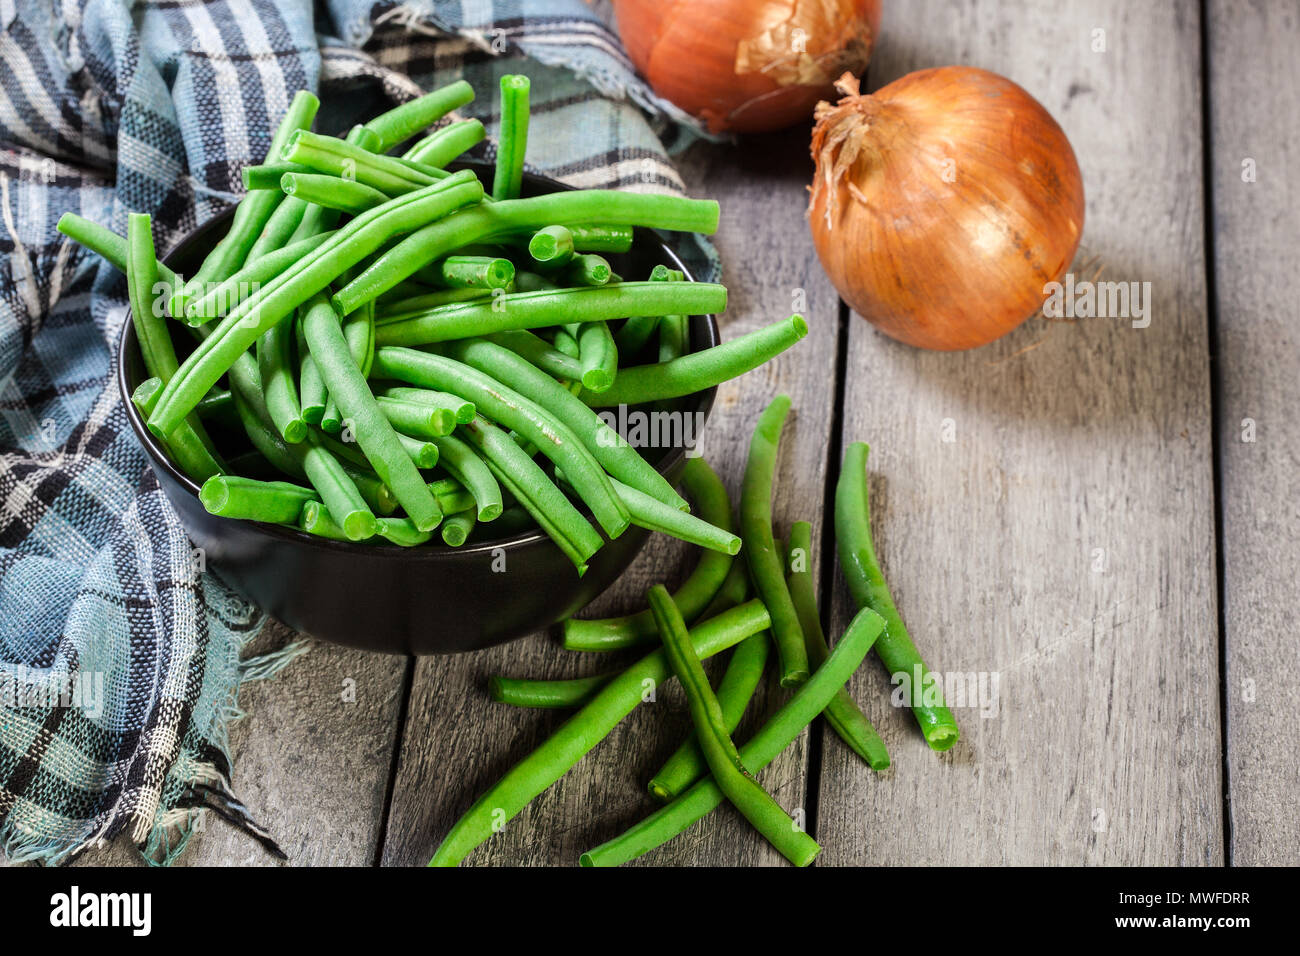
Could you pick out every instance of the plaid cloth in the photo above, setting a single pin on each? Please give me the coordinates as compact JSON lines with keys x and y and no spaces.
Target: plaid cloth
{"x":120,"y":658}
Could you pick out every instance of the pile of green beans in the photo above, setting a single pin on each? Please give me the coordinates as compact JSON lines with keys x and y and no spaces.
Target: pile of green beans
{"x":708,"y":768}
{"x":410,"y":355}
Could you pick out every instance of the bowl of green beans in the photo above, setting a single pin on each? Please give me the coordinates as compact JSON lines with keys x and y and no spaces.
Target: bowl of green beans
{"x":503,"y":577}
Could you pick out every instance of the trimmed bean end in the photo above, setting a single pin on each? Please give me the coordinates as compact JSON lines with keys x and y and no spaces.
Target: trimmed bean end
{"x":797,"y":678}
{"x":939,"y":739}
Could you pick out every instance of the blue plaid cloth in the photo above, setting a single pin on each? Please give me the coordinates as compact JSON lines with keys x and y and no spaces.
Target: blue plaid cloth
{"x":120,"y":661}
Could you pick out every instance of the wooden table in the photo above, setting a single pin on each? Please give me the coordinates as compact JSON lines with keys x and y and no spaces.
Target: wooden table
{"x":1105,"y":517}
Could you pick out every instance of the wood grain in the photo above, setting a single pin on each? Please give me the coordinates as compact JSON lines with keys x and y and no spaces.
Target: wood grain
{"x":457,"y":743}
{"x":1255,"y":150}
{"x":1063,"y":537}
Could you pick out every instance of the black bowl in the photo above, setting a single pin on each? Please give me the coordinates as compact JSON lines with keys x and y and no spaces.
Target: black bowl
{"x":380,"y":597}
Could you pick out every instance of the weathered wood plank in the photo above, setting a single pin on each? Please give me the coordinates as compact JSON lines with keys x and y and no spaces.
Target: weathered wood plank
{"x":1255,"y":97}
{"x":1063,"y":538}
{"x":312,"y":761}
{"x":457,"y":743}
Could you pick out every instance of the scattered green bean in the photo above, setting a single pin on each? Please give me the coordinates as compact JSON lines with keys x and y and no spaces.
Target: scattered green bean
{"x":568,"y":745}
{"x":739,"y":682}
{"x":777,"y":734}
{"x":402,"y":122}
{"x":867,"y":584}
{"x":760,"y":545}
{"x":729,"y":773}
{"x":548,"y":694}
{"x":843,"y":713}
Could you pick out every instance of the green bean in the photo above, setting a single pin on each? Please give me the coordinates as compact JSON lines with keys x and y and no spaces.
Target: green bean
{"x":366,"y":138}
{"x":654,"y":515}
{"x":189,"y":444}
{"x":151,"y":330}
{"x":577,"y":736}
{"x":423,"y":453}
{"x":867,"y":584}
{"x":331,"y":419}
{"x":775,"y":735}
{"x":551,"y":246}
{"x":699,"y":370}
{"x":359,"y":331}
{"x":451,"y":496}
{"x":674,"y":341}
{"x":586,"y":269}
{"x":636,"y":331}
{"x":760,"y":546}
{"x":275,"y":363}
{"x":328,"y":154}
{"x":247,"y":321}
{"x":537,"y":352}
{"x":526,"y":281}
{"x":374,"y":434}
{"x":597,"y":354}
{"x":275,"y":234}
{"x":227,"y":294}
{"x":184,"y":446}
{"x":377,"y":495}
{"x":251,"y":214}
{"x":457,"y":528}
{"x":546,"y":307}
{"x":403,"y":309}
{"x":332,"y":192}
{"x":108,"y":244}
{"x":316,"y":220}
{"x":508,"y":408}
{"x":512,"y":138}
{"x":614,"y":454}
{"x":462,"y":411}
{"x":518,"y":215}
{"x":735,"y":590}
{"x":475,"y":272}
{"x":842,"y":713}
{"x":269,"y":175}
{"x":522,"y":477}
{"x":218,"y":404}
{"x":709,"y":495}
{"x":402,"y":531}
{"x":315,"y":519}
{"x":418,"y":419}
{"x":547,"y":694}
{"x":402,"y":122}
{"x":444,"y":145}
{"x":464,"y":464}
{"x":275,"y":502}
{"x":729,"y":773}
{"x":739,"y":682}
{"x":604,"y":238}
{"x":312,"y":397}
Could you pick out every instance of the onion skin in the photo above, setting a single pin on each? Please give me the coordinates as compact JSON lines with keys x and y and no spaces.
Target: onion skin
{"x":943,"y":204}
{"x":734,"y":65}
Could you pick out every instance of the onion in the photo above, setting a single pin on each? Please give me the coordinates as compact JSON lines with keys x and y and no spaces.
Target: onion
{"x":747,"y":66}
{"x":943,"y":204}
